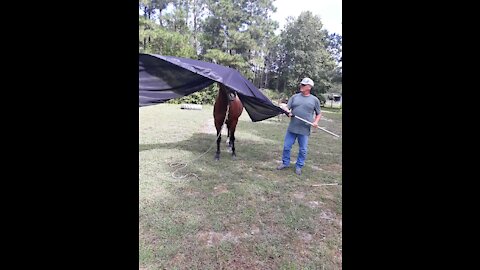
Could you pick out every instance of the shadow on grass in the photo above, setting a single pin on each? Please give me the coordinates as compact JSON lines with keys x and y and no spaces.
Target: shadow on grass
{"x":199,"y":143}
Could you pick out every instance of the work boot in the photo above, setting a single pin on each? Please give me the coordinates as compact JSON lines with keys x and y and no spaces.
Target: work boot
{"x":298,"y":171}
{"x":282,"y":166}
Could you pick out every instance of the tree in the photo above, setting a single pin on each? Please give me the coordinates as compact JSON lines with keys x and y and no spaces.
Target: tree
{"x":152,"y":7}
{"x":162,"y":41}
{"x":177,"y":19}
{"x":303,"y":52}
{"x":198,"y":10}
{"x":240,"y":27}
{"x":225,"y":59}
{"x":240,"y":34}
{"x":334,"y":46}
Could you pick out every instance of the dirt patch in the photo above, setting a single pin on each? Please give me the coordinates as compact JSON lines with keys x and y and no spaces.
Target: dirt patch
{"x":220,"y":189}
{"x":178,"y":259}
{"x":299,"y":195}
{"x":254,"y":230}
{"x":327,"y":215}
{"x":333,"y":167}
{"x":209,"y":238}
{"x":316,"y":168}
{"x":214,"y":239}
{"x":314,"y":204}
{"x":192,"y":193}
{"x":189,"y":192}
{"x":230,"y":237}
{"x":306,"y":237}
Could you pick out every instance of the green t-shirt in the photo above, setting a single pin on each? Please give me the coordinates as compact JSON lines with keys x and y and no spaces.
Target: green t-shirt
{"x":304,"y":107}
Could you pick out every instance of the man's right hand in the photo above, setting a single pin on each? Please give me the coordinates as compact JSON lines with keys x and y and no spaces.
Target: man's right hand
{"x":288,"y":113}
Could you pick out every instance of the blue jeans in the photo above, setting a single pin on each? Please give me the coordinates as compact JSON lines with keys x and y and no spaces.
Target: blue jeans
{"x":302,"y":151}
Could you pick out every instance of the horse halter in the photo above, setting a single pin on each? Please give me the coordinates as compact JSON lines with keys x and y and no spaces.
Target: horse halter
{"x":231,"y":95}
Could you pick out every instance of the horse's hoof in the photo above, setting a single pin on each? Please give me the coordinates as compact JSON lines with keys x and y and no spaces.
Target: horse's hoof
{"x":234,"y":157}
{"x":217,"y":157}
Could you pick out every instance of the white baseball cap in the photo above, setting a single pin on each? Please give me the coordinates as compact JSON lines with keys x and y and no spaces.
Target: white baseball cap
{"x":307,"y":81}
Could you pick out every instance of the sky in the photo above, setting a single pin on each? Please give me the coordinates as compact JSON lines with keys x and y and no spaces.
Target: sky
{"x":330,"y":12}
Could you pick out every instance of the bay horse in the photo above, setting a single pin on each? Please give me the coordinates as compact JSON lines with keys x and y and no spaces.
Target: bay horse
{"x":226,"y":97}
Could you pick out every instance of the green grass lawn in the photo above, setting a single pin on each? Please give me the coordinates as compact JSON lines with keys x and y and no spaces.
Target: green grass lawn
{"x":236,"y":214}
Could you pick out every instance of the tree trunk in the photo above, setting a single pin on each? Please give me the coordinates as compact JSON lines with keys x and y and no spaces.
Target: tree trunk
{"x":266,"y":78}
{"x":145,"y":12}
{"x":195,"y":26}
{"x":160,"y":17}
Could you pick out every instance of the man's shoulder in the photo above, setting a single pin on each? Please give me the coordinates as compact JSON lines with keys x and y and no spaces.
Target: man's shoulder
{"x":315,"y":98}
{"x":294,"y":95}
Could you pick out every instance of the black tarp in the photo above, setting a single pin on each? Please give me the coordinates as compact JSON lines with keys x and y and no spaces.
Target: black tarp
{"x":162,"y":78}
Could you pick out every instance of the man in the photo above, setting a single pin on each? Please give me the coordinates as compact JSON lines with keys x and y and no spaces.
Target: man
{"x":303,"y":105}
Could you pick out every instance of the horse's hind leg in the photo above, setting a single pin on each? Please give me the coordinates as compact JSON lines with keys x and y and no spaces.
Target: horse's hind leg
{"x":232,"y":139}
{"x":232,"y":142}
{"x":219,"y":138}
{"x":229,"y":140}
{"x":217,"y":154}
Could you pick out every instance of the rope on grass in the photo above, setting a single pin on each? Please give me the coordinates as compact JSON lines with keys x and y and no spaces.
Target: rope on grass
{"x":328,"y":184}
{"x":181,"y":165}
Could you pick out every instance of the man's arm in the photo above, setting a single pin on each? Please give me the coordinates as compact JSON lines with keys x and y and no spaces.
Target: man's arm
{"x":289,"y":106}
{"x":286,"y":109}
{"x":318,"y":111}
{"x":317,"y":118}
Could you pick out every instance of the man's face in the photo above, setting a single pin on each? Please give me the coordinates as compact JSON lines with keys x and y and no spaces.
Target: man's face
{"x":305,"y":88}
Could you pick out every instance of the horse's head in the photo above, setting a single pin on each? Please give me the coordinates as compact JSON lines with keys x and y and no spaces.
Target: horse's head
{"x":228,"y":92}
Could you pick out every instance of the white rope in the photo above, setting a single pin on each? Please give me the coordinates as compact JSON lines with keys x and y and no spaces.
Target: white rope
{"x":183,"y":165}
{"x":328,"y":184}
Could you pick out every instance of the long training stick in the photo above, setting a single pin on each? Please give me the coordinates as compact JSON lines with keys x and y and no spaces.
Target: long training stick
{"x":329,"y":132}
